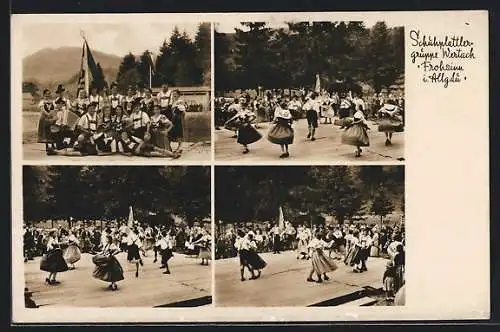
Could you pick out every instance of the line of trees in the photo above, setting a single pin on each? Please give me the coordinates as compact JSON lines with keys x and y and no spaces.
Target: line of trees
{"x":246,"y":194}
{"x":90,"y":193}
{"x":291,"y":57}
{"x":180,"y":62}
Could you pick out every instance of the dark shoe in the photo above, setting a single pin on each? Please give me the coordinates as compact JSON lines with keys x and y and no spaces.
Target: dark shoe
{"x":166,"y":272}
{"x":155,"y":260}
{"x":319,"y":281}
{"x":141,"y":262}
{"x":242,"y":279}
{"x":308,"y":135}
{"x":137,"y":274}
{"x":313,"y":139}
{"x":286,"y":155}
{"x":282,"y":156}
{"x":162,"y":267}
{"x":47,"y":280}
{"x":55,"y":282}
{"x":387,"y":142}
{"x":246,"y":151}
{"x":326,"y":278}
{"x":310,"y":279}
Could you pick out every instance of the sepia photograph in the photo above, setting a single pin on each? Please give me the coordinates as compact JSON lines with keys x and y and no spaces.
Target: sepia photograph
{"x":322,"y":91}
{"x":309,"y":236}
{"x":132,"y":89}
{"x":117,"y":236}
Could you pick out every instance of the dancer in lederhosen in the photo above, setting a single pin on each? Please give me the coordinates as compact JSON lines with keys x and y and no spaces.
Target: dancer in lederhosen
{"x":163,"y":98}
{"x":390,"y":120}
{"x":119,"y":122}
{"x":96,"y":98}
{"x":320,"y":263}
{"x":312,"y":109}
{"x":242,"y":246}
{"x":107,"y":266}
{"x":247,"y":134}
{"x":72,"y":253}
{"x":115,"y":98}
{"x":157,"y":246}
{"x":255,"y":262}
{"x":159,"y":128}
{"x":179,"y":108}
{"x":282,"y":132}
{"x":276,"y":233}
{"x":140,"y":119}
{"x":80,"y":103}
{"x":128,"y":100}
{"x":355,"y":133}
{"x":148,"y":101}
{"x":53,"y":260}
{"x":104,"y":136}
{"x":133,"y":245}
{"x":166,"y":245}
{"x":48,"y":116}
{"x":204,"y":243}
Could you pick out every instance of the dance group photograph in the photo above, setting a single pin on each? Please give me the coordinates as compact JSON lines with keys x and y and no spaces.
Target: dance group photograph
{"x":309,"y":236}
{"x":117,"y":236}
{"x":143,"y":189}
{"x":100,"y":99}
{"x":301,"y":90}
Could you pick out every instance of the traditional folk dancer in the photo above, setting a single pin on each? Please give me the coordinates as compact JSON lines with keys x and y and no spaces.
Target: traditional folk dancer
{"x":364,"y":244}
{"x":119,"y":123}
{"x":246,"y":132}
{"x":255,"y":262}
{"x":390,"y":121}
{"x":128,"y":100}
{"x":166,"y":245}
{"x":107,"y":266}
{"x":230,"y":113}
{"x":96,"y":98}
{"x":355,"y":133}
{"x":80,"y":104}
{"x":303,"y":240}
{"x":312,"y":109}
{"x":48,"y":116}
{"x":242,"y":245}
{"x":133,"y":245}
{"x":179,"y":108}
{"x":60,"y":135}
{"x":157,"y":247}
{"x":204,"y":244}
{"x":140,"y":119}
{"x":320,"y":263}
{"x":53,"y":261}
{"x":159,"y":129}
{"x":352,"y":257}
{"x":282,"y":132}
{"x":276,"y":233}
{"x":295,"y":107}
{"x":163,"y":98}
{"x":72,"y":253}
{"x":115,"y":98}
{"x":326,"y":108}
{"x":148,"y":102}
{"x":388,"y":281}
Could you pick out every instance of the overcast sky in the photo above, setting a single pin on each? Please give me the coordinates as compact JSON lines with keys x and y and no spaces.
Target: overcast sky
{"x":115,"y":38}
{"x":227,"y":26}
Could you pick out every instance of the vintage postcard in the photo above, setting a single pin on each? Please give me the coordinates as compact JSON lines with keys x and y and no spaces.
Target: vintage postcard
{"x":250,"y":167}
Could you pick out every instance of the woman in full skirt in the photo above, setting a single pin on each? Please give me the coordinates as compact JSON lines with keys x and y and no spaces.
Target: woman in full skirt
{"x":179,"y":109}
{"x":204,"y":245}
{"x":53,"y":261}
{"x":254,"y":261}
{"x":282,"y":132}
{"x":390,"y":121}
{"x":321,"y":264}
{"x":72,"y":253}
{"x":356,"y":133}
{"x":133,"y":254}
{"x":247,"y":134}
{"x":107,"y":267}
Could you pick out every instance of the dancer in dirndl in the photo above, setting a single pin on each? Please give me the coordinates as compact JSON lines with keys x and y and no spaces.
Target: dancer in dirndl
{"x":166,"y":246}
{"x":247,"y":134}
{"x":48,"y":116}
{"x":321,"y":264}
{"x":390,"y":121}
{"x":133,"y":254}
{"x":282,"y":132}
{"x":179,"y":108}
{"x":204,"y":244}
{"x":72,"y":253}
{"x":255,"y":262}
{"x":355,"y":133}
{"x":303,"y":239}
{"x":53,"y":261}
{"x":107,"y":267}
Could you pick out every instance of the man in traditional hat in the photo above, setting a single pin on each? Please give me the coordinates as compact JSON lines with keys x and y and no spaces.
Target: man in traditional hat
{"x":60,"y":92}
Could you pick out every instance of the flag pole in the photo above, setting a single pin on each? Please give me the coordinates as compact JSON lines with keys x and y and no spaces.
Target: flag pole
{"x":150,"y":76}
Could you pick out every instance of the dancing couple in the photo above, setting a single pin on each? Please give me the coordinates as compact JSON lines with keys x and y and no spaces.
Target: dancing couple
{"x":247,"y":251}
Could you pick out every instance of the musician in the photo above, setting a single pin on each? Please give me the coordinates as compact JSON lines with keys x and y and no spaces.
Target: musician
{"x":115,"y":98}
{"x":48,"y":116}
{"x":60,"y":134}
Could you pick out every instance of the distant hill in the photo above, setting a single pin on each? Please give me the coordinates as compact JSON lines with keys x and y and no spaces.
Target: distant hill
{"x":61,"y":65}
